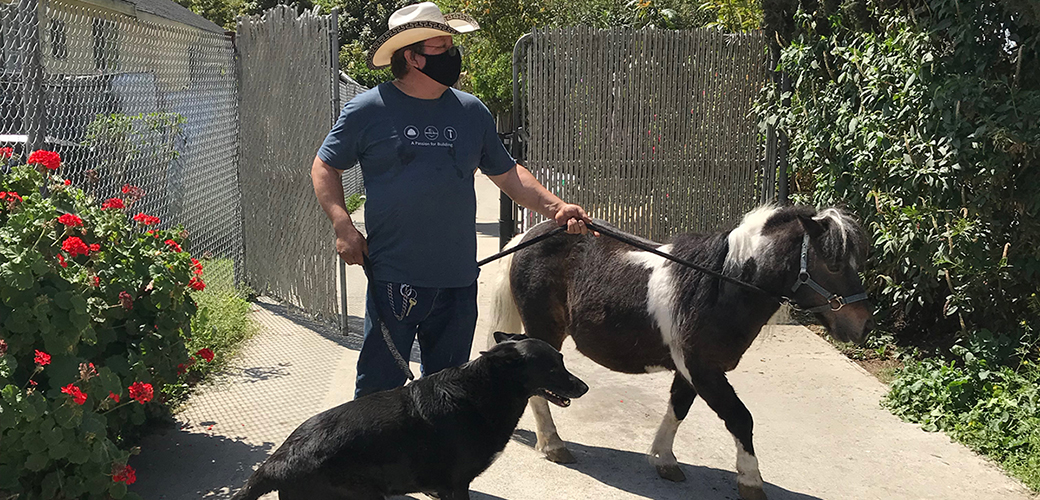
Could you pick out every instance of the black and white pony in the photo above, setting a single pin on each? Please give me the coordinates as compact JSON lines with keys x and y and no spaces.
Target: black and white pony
{"x":635,"y":312}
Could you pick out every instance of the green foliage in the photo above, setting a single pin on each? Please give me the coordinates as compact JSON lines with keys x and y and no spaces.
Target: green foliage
{"x":108,"y":302}
{"x":993,"y":409}
{"x":929,"y":130}
{"x":220,"y":12}
{"x":121,"y":140}
{"x":354,"y":202}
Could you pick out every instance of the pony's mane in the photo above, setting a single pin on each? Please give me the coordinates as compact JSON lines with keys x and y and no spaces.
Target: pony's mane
{"x":746,"y":240}
{"x":843,"y":236}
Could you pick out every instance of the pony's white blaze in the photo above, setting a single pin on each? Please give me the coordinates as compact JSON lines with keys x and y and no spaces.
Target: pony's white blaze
{"x":746,"y":241}
{"x":660,"y":302}
{"x":747,"y":467}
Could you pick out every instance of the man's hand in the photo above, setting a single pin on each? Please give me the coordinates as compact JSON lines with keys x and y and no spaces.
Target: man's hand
{"x":350,"y":245}
{"x":574,"y":217}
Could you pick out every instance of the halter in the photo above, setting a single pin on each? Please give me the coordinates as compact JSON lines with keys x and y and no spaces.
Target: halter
{"x":834,"y":301}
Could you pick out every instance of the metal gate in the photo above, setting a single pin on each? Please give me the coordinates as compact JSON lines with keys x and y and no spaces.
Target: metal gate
{"x":289,"y":85}
{"x":651,"y":130}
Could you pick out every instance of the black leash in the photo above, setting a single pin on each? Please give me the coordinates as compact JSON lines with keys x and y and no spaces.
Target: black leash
{"x":631,"y":240}
{"x":378,"y":321}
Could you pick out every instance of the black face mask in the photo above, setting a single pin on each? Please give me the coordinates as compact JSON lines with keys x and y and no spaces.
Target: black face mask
{"x":444,"y":68}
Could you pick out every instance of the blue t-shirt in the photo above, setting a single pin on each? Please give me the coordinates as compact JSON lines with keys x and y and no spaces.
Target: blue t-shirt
{"x":418,"y":157}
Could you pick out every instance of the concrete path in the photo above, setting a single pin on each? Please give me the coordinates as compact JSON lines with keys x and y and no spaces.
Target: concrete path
{"x":819,"y":431}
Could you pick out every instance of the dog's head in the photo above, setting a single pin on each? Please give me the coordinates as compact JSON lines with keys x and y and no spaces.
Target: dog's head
{"x":541,"y":368}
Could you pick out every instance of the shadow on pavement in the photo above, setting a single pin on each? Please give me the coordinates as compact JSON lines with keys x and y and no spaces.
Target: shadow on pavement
{"x":355,"y":327}
{"x":185,"y":465}
{"x":629,"y":471}
{"x":489,"y":229}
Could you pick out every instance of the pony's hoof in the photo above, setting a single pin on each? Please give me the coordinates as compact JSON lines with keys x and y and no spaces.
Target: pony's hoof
{"x":671,"y":472}
{"x":751,"y":492}
{"x":560,"y":456}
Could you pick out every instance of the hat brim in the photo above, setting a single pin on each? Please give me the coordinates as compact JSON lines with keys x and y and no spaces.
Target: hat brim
{"x":406,"y":34}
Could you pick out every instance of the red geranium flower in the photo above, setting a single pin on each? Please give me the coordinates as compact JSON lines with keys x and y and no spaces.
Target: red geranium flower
{"x":141,"y":392}
{"x":67,"y":182}
{"x":126,"y":300}
{"x":147,"y":220}
{"x":113,"y":203}
{"x":94,"y":247}
{"x":206,"y":354}
{"x":71,"y":220}
{"x":77,"y":395}
{"x":75,"y":246}
{"x":173,"y":246}
{"x":123,"y":474}
{"x":97,"y":281}
{"x":11,"y":197}
{"x":48,"y":159}
{"x":198,"y":267}
{"x":114,"y":396}
{"x":61,"y":260}
{"x":6,"y":153}
{"x":133,"y":193}
{"x":196,"y":283}
{"x":42,"y":358}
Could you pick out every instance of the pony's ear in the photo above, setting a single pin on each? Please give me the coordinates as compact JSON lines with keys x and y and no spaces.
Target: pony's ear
{"x":506,"y":337}
{"x":812,"y":226}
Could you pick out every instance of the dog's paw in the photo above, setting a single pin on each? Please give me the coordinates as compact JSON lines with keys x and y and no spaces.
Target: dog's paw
{"x":671,"y":472}
{"x":560,"y":455}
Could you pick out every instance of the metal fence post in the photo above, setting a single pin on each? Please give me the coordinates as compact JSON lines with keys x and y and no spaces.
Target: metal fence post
{"x":34,"y":118}
{"x":506,"y":208}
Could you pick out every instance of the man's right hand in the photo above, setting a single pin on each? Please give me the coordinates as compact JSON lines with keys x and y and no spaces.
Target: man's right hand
{"x":350,"y":245}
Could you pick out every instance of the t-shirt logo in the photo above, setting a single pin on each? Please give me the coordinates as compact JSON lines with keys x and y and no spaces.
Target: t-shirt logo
{"x":450,"y":133}
{"x":431,"y":132}
{"x":411,"y":131}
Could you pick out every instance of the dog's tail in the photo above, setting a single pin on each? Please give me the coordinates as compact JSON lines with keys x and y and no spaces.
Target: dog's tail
{"x":258,"y":484}
{"x":505,"y":316}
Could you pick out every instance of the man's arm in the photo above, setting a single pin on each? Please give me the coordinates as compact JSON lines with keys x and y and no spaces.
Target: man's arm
{"x":520,"y":185}
{"x":328,"y":187}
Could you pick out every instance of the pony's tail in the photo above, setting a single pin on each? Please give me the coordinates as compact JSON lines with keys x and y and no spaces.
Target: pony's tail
{"x":505,"y":316}
{"x":257,"y":485}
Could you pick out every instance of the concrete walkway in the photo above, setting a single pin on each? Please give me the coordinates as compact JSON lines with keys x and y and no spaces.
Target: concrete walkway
{"x":819,"y":431}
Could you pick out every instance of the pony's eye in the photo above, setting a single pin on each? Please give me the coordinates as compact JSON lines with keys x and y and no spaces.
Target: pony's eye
{"x":834,"y":267}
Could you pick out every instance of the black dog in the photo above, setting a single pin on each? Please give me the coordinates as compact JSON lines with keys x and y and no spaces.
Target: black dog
{"x":434,"y":435}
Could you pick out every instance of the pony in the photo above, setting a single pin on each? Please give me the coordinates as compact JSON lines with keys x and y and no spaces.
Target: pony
{"x":633,"y":311}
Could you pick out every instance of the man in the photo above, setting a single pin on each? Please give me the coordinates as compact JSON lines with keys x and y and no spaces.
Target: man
{"x":419,"y":143}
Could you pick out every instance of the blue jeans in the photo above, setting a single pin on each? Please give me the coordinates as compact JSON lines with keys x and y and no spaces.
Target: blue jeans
{"x":444,"y":320}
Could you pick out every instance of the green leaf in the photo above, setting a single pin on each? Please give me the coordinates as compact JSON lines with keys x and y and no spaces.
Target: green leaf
{"x":79,"y":455}
{"x":36,"y":462}
{"x":117,"y":490}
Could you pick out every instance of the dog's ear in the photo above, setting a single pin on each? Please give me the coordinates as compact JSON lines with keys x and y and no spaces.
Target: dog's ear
{"x":506,"y":337}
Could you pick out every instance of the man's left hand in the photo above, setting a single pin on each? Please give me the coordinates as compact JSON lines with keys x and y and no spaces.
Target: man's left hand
{"x":574,"y":217}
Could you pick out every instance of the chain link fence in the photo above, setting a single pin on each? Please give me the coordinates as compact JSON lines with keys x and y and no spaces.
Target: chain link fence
{"x":142,"y":96}
{"x":651,"y":130}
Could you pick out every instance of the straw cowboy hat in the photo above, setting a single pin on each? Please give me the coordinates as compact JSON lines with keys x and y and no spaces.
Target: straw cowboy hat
{"x":416,"y":23}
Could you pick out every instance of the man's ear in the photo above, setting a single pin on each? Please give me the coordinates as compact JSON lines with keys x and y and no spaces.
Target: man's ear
{"x":506,"y":337}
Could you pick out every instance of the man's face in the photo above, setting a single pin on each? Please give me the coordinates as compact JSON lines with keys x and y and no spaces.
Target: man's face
{"x":433,"y":46}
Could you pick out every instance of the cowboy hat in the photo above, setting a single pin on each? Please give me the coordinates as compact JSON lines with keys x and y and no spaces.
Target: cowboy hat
{"x":416,"y":23}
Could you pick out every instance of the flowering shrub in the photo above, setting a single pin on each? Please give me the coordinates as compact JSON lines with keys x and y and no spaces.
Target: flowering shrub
{"x":93,"y":317}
